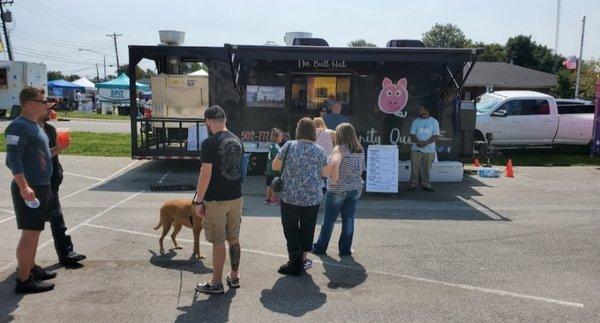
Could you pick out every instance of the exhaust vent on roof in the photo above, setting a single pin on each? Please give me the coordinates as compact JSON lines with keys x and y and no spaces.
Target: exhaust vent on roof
{"x":405,"y":43}
{"x":310,"y":42}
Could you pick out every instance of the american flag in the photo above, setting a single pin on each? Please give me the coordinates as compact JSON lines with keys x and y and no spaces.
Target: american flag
{"x":570,"y":63}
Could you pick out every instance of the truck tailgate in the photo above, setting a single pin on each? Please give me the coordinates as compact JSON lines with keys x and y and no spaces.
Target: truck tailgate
{"x":574,"y":129}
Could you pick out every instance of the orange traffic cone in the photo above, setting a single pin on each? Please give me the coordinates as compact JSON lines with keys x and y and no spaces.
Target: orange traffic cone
{"x":509,"y":169}
{"x":476,"y":163}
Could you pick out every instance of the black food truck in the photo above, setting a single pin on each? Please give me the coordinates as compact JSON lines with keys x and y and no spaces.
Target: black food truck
{"x":261,"y":87}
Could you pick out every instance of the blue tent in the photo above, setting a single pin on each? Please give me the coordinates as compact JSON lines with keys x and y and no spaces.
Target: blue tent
{"x":63,"y":88}
{"x":121,"y":82}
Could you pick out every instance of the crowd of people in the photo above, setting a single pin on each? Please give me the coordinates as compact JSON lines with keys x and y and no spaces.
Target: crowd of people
{"x":323,"y":164}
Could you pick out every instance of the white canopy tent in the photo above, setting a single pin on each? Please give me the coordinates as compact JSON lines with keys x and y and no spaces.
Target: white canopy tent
{"x":87,"y":84}
{"x":199,"y":73}
{"x":90,"y":89}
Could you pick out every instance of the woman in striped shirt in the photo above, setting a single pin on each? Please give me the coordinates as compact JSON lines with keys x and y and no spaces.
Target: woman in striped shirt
{"x":344,"y":187}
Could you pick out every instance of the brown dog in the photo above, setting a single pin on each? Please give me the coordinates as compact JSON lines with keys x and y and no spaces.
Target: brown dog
{"x":179,"y":213}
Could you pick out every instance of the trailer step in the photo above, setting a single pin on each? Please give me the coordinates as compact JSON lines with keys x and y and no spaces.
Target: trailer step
{"x":173,"y":188}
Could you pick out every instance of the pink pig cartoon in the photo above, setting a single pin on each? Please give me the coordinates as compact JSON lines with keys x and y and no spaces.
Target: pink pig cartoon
{"x":393,"y":97}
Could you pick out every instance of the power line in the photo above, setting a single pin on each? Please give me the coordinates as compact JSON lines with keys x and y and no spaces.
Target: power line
{"x":55,"y":17}
{"x":73,"y":18}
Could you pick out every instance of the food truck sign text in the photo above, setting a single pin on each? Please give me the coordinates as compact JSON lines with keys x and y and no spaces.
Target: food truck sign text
{"x":322,"y":64}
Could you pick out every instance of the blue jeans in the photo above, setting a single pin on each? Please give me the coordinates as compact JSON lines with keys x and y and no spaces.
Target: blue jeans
{"x":336,"y":203}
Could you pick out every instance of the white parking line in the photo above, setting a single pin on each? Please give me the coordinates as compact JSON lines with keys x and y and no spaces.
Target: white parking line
{"x":101,"y":181}
{"x":83,"y":176}
{"x":50,"y":241}
{"x":379,"y":272}
{"x":162,"y":179}
{"x":7,"y":211}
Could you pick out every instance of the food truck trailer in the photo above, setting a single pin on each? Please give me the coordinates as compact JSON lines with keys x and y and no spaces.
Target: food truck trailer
{"x":261,"y":87}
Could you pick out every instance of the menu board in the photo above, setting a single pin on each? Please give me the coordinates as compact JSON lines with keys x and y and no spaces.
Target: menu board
{"x":382,"y":169}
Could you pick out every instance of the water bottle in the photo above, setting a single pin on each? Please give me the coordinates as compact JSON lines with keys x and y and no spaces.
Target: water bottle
{"x":34,"y":204}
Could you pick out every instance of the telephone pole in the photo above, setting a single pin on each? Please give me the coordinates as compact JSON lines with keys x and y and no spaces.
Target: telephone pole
{"x":97,"y":74}
{"x":4,"y":18}
{"x":114,"y":37}
{"x":580,"y":60}
{"x":556,"y":34}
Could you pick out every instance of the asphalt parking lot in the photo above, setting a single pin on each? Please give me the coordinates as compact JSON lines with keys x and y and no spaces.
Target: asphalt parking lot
{"x":521,"y":249}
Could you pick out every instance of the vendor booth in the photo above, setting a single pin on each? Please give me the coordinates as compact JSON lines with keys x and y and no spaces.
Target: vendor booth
{"x":116,"y":92}
{"x":64,"y":89}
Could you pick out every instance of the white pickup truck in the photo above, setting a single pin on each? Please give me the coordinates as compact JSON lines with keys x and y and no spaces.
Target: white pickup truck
{"x":527,"y":118}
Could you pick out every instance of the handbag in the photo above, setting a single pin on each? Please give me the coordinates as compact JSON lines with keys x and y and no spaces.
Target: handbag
{"x":277,"y":183}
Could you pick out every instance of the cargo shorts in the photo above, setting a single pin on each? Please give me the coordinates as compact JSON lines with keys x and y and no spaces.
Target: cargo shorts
{"x":222,"y":220}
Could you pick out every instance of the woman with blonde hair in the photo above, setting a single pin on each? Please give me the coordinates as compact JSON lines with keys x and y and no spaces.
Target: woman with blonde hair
{"x":325,"y":137}
{"x":344,"y":187}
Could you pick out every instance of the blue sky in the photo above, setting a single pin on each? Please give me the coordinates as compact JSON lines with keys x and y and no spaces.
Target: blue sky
{"x":52,"y":31}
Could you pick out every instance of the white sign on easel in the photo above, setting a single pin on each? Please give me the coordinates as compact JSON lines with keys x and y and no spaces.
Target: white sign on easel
{"x":196,"y":136}
{"x":382,"y":169}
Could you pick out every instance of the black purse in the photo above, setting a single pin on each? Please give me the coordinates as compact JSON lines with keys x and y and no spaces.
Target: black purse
{"x":277,"y":183}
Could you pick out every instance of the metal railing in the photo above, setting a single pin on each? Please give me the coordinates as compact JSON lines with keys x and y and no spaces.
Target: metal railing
{"x":164,"y":137}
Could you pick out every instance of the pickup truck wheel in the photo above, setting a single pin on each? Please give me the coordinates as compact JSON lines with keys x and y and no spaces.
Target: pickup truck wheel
{"x":478,"y":136}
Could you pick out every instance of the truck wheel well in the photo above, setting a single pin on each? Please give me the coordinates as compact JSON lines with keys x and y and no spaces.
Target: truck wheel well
{"x":478,"y":136}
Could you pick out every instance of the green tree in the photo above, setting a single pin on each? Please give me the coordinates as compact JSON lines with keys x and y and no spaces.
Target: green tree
{"x":446,"y":36}
{"x":565,"y":80}
{"x":491,"y":52}
{"x":139,"y":72}
{"x":73,"y":77}
{"x":55,"y":75}
{"x":565,"y":86}
{"x":523,"y":51}
{"x":519,"y":51}
{"x":361,"y":43}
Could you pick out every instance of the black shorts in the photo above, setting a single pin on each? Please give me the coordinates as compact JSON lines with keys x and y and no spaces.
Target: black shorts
{"x":270,"y":179}
{"x":28,"y":218}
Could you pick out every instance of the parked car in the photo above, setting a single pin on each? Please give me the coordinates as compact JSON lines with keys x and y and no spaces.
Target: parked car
{"x":560,"y":102}
{"x":527,"y":118}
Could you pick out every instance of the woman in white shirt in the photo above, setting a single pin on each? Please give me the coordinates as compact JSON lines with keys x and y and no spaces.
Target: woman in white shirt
{"x":325,"y":137}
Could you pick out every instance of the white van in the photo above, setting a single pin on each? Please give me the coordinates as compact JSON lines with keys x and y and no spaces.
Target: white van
{"x":523,"y":118}
{"x":14,"y":76}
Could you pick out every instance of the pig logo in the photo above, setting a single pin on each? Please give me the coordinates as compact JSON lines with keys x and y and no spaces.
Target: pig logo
{"x":393,"y":97}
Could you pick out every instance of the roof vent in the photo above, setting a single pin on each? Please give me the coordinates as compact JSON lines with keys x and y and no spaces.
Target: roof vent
{"x":310,"y":42}
{"x":171,"y":37}
{"x":405,"y":43}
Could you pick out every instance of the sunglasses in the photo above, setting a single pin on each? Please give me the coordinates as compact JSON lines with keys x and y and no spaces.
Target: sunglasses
{"x":40,"y":101}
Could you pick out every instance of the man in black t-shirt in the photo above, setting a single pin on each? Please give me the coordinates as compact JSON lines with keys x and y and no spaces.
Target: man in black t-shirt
{"x":219,"y":198}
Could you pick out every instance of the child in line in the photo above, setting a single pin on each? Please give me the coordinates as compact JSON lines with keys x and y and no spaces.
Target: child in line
{"x":276,"y":140}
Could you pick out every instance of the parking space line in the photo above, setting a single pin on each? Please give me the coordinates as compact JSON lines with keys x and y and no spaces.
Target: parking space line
{"x":83,"y":176}
{"x":83,"y":189}
{"x":379,"y":272}
{"x":7,"y":211}
{"x":50,"y":241}
{"x":100,"y":182}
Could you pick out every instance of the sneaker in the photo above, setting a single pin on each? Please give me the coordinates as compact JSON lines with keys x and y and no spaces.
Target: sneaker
{"x":274,"y":202}
{"x":267,"y":202}
{"x":208,"y":288}
{"x":308,"y":264}
{"x":40,"y":274}
{"x":233,"y":282}
{"x":428,"y":189}
{"x":32,"y":286}
{"x":290,"y":269}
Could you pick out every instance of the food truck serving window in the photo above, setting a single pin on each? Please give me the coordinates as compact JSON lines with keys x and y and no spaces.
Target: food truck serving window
{"x":320,"y":92}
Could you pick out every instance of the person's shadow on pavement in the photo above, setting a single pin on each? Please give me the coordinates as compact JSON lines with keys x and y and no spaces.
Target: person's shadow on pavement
{"x":215,"y":308}
{"x":10,"y":299}
{"x":166,"y":261}
{"x":346,"y":273}
{"x":294,"y":296}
